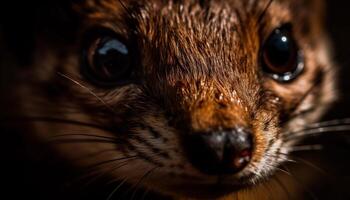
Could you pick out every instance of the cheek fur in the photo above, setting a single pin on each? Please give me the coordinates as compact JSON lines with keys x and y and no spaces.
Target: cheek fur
{"x":210,"y":50}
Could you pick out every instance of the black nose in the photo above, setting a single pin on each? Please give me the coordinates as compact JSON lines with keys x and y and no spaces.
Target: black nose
{"x":221,"y":152}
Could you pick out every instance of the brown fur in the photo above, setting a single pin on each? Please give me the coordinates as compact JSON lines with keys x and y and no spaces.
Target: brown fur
{"x":198,"y":70}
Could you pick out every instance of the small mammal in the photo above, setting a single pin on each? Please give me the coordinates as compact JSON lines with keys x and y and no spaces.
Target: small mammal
{"x":193,"y":99}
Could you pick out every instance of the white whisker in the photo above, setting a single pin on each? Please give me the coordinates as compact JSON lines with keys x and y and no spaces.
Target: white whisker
{"x":305,"y":148}
{"x":116,"y":189}
{"x":344,"y":121}
{"x":88,"y":90}
{"x":317,"y":131}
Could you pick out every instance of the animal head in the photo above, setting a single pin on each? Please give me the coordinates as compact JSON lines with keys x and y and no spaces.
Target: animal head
{"x":171,"y":95}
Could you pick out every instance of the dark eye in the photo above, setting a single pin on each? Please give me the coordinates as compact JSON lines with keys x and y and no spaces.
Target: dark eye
{"x":107,"y":60}
{"x":281,"y":57}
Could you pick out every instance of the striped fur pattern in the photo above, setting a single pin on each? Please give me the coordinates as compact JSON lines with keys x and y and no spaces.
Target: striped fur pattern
{"x":198,"y":69}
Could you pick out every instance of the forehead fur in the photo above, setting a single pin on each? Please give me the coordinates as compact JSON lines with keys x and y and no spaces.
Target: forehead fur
{"x":209,"y":31}
{"x":198,"y":67}
{"x":197,"y":50}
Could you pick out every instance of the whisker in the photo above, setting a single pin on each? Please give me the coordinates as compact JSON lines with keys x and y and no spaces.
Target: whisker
{"x":90,"y":170}
{"x":258,"y":175}
{"x":278,"y":157}
{"x":263,"y":14}
{"x":126,"y":9}
{"x":142,"y":179}
{"x":111,"y":161}
{"x":88,"y":90}
{"x":93,"y":155}
{"x":299,"y":102}
{"x":316,"y":131}
{"x":95,"y":175}
{"x":82,"y":140}
{"x":145,"y":194}
{"x":284,"y":171}
{"x":313,"y":166}
{"x":110,"y":170}
{"x":84,"y":135}
{"x":305,"y":148}
{"x":116,"y":189}
{"x":337,"y":122}
{"x":344,"y":121}
{"x":26,"y":119}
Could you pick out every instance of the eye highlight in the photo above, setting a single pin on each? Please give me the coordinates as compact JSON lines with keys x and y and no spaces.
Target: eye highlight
{"x":107,"y":60}
{"x":281,"y":56}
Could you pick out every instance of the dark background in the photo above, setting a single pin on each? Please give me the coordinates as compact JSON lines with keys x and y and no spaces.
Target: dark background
{"x":336,"y":153}
{"x":338,"y":23}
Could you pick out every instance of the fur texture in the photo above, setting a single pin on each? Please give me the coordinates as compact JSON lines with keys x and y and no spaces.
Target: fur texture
{"x":198,"y":69}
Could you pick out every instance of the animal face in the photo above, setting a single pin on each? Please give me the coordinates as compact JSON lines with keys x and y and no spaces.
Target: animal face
{"x":181,"y":96}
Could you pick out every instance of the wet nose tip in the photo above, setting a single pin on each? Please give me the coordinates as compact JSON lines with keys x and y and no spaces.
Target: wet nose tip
{"x":221,"y":152}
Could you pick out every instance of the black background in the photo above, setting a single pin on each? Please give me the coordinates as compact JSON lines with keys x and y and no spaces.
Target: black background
{"x":338,"y":148}
{"x":337,"y":153}
{"x":338,"y":23}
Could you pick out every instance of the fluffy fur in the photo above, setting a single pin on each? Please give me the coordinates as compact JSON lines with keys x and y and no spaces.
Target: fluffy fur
{"x":198,"y":69}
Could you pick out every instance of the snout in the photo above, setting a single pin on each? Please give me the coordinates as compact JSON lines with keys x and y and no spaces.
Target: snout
{"x":221,"y":152}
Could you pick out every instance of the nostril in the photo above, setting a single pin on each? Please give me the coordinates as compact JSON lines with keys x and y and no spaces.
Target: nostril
{"x":238,"y":150}
{"x":235,"y":159}
{"x":221,"y":152}
{"x":243,"y":158}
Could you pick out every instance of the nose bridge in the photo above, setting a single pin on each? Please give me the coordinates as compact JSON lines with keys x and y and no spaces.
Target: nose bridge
{"x":216,"y":109}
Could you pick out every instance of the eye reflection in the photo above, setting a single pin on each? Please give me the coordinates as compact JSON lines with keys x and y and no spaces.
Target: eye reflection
{"x":107,"y":61}
{"x":281,"y":57}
